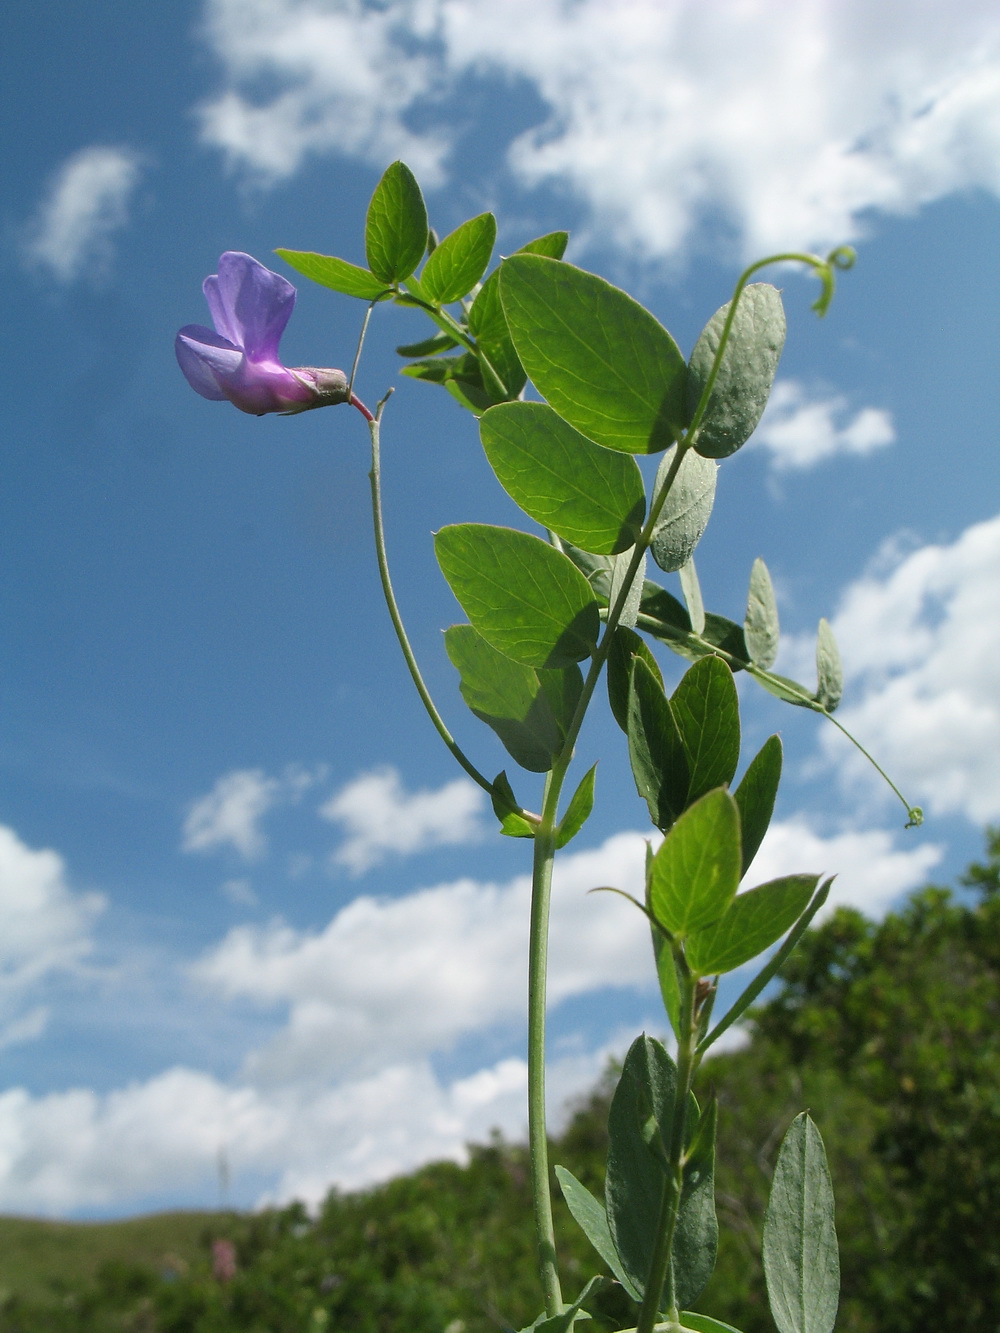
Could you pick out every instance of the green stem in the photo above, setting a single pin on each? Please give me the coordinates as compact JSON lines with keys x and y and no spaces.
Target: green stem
{"x":661,"y":1277}
{"x":375,"y":478}
{"x":541,"y":894}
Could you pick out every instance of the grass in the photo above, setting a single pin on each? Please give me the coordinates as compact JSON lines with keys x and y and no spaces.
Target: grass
{"x":40,"y":1259}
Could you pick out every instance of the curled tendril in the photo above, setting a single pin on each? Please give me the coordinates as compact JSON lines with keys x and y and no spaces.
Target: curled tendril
{"x":842,"y":258}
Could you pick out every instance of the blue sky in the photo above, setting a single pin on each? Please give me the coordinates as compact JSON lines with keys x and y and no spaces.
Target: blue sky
{"x":252,"y":907}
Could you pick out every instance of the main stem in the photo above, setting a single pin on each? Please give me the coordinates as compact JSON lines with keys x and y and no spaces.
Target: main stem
{"x":661,"y":1278}
{"x":538,"y":1144}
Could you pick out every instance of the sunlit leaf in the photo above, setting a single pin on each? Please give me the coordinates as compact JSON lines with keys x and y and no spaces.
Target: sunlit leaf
{"x":752,"y":923}
{"x":760,"y":625}
{"x":590,"y":496}
{"x":459,"y":261}
{"x":707,"y":712}
{"x":396,"y":226}
{"x":338,"y":274}
{"x":523,"y":596}
{"x":697,"y":867}
{"x":601,"y":360}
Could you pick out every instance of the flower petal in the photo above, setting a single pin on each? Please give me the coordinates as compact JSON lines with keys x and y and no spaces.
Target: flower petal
{"x":207,"y":360}
{"x":250,"y":305}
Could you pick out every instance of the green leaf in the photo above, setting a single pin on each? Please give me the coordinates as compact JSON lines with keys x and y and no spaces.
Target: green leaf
{"x":530,"y":710}
{"x":567,"y":1320}
{"x":329,"y":271}
{"x":590,"y":496}
{"x":743,"y":385}
{"x":666,"y":975}
{"x":760,"y":625}
{"x":601,"y":360}
{"x":663,"y":616}
{"x":488,"y":326}
{"x":754,"y":921}
{"x":655,"y":748}
{"x":707,"y":712}
{"x":469,"y":393}
{"x":396,"y":228}
{"x":786,"y":689}
{"x":691,"y":588}
{"x":625,"y":645}
{"x":755,"y":797}
{"x":801,"y":1264}
{"x":829,"y":672}
{"x":506,"y":808}
{"x":629,"y":612}
{"x":578,"y":810}
{"x":703,"y":1323}
{"x":592,"y":1218}
{"x":641,"y":1110}
{"x":696,"y":1237}
{"x":433,"y":346}
{"x":697,"y":867}
{"x":686,"y":510}
{"x":552,"y":244}
{"x":528,"y":600}
{"x":459,"y":261}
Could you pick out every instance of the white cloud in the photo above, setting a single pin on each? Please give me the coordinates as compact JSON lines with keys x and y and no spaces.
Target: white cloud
{"x":380,"y":817}
{"x":920,"y":640}
{"x":871,"y":871}
{"x":801,"y":428}
{"x":348,"y":75}
{"x":80,"y":1149}
{"x":46,"y":927}
{"x":230,"y":814}
{"x":88,"y":201}
{"x":398,"y":978}
{"x":347,"y":1094}
{"x":786,"y":123}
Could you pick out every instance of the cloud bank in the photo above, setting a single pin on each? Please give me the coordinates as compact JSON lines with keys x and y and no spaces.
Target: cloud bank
{"x":88,"y":202}
{"x":670,"y":121}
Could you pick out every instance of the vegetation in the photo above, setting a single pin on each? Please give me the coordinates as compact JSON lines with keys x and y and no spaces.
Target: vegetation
{"x":888,"y":1030}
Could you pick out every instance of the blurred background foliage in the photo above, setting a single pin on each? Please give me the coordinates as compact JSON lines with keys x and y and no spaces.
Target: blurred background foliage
{"x":886,"y":1031}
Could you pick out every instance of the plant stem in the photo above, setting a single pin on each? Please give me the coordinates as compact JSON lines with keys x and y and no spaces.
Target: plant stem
{"x":541,"y":894}
{"x":661,"y":1277}
{"x":541,"y":890}
{"x":375,"y":478}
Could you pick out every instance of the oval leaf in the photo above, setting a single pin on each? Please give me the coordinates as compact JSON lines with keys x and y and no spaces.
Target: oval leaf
{"x":829,"y":672}
{"x":488,"y":325}
{"x":629,"y":612}
{"x":754,"y":921}
{"x":743,"y":384}
{"x":396,"y":226}
{"x":686,"y":510}
{"x":528,"y":709}
{"x":755,"y":797}
{"x":801,"y":1264}
{"x":655,"y":748}
{"x":523,"y":596}
{"x":459,"y":261}
{"x":338,"y":274}
{"x":696,"y":871}
{"x":602,"y":361}
{"x":707,"y":712}
{"x":760,"y":624}
{"x":578,"y":810}
{"x":591,"y":1217}
{"x":590,"y":496}
{"x":625,"y":645}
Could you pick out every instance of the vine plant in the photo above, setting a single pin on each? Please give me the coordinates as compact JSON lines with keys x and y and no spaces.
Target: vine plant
{"x":546,"y":618}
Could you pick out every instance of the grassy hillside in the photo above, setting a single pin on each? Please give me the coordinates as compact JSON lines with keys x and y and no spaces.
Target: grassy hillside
{"x":42,"y":1259}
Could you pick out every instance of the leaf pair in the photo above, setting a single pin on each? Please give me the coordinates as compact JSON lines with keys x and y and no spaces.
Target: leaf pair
{"x":611,"y":370}
{"x":624,"y":1228}
{"x":680,"y":747}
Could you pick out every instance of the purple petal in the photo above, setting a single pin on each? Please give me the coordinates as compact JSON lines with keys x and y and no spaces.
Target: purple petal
{"x":207,"y":360}
{"x":250,"y":305}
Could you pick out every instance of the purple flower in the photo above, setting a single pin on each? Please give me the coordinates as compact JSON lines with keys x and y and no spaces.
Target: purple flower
{"x":239,"y":361}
